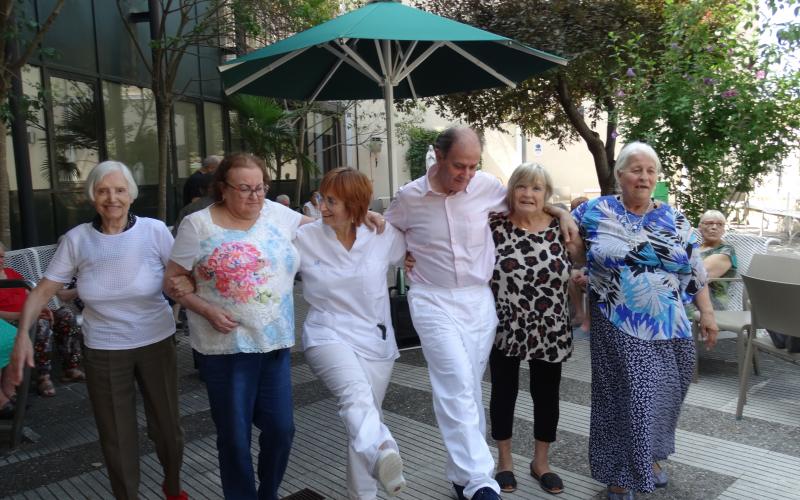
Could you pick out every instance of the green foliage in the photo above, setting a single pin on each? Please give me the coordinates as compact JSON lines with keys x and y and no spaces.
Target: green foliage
{"x":710,"y":99}
{"x":269,"y":131}
{"x":418,"y":140}
{"x":575,"y":29}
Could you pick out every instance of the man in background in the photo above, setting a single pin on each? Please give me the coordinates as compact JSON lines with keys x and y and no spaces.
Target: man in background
{"x":201,"y":177}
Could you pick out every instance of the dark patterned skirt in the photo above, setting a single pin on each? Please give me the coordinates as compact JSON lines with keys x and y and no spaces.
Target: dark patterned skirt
{"x":638,"y":387}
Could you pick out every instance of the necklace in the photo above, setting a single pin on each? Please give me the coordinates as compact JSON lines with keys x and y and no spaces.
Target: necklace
{"x":633,"y":227}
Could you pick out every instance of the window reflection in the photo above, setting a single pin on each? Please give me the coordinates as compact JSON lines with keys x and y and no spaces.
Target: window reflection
{"x":187,"y":138}
{"x":131,"y":137}
{"x":37,"y":130}
{"x":215,"y":143}
{"x":76,"y":139}
{"x":236,"y":132}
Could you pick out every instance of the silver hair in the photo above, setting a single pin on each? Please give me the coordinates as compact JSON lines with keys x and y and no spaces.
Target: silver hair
{"x":713,"y":215}
{"x":631,"y":149}
{"x":211,"y":160}
{"x":525,"y":175}
{"x":107,"y":167}
{"x":282,"y":197}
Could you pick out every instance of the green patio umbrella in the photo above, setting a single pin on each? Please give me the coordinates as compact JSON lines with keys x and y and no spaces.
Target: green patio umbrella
{"x":384,"y":50}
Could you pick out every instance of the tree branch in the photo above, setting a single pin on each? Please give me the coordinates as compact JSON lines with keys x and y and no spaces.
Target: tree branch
{"x":37,"y":38}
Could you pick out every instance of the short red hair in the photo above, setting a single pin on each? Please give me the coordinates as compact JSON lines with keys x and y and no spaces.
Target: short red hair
{"x":350,"y":186}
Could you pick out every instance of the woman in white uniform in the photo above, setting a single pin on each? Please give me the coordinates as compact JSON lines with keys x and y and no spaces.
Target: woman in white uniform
{"x":347,"y":336}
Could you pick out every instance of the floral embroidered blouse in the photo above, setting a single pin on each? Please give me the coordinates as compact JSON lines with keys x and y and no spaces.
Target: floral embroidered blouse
{"x":641,"y":269}
{"x":250,"y":274}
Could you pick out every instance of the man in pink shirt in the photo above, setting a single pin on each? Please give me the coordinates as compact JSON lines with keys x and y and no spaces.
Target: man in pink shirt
{"x":445,"y":217}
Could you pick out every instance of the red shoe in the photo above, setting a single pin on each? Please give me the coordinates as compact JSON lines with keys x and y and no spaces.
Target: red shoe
{"x":180,"y":496}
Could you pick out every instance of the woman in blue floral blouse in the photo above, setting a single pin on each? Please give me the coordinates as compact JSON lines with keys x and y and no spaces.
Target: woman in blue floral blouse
{"x":643,"y":264}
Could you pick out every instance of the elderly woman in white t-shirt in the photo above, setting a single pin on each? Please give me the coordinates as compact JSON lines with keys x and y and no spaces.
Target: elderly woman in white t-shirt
{"x":128,"y":330}
{"x":347,"y":336}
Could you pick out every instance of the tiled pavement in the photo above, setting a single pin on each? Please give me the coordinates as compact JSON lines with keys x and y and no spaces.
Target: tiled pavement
{"x":717,"y":456}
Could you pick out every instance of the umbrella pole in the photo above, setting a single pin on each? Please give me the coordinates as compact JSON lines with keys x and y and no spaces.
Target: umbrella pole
{"x":388,"y":97}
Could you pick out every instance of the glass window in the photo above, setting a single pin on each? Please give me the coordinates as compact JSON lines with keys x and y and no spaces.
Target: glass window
{"x":215,"y":143}
{"x":131,"y":135}
{"x":187,"y":138}
{"x":236,"y":132}
{"x":37,"y":135}
{"x":76,"y":139}
{"x":37,"y":129}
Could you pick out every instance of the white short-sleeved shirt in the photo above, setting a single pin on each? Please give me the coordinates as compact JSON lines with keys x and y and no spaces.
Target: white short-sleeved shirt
{"x":250,"y":274}
{"x":347,"y":291}
{"x":119,"y":281}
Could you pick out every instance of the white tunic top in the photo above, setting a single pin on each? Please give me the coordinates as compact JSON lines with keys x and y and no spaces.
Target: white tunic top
{"x":347,"y":291}
{"x":119,"y":281}
{"x":250,"y":274}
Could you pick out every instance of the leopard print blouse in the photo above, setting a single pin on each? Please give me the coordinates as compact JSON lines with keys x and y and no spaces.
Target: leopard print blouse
{"x":529,"y":282}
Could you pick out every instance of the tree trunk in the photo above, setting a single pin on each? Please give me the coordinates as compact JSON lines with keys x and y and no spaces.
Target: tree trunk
{"x":163,"y":114}
{"x":301,"y":151}
{"x":5,"y":194}
{"x":596,"y":146}
{"x":278,"y":165}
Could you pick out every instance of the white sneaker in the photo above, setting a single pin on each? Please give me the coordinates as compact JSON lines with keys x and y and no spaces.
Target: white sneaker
{"x":390,"y":471}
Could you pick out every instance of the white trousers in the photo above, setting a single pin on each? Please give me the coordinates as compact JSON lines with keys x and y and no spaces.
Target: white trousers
{"x":457,"y":328}
{"x":359,"y":386}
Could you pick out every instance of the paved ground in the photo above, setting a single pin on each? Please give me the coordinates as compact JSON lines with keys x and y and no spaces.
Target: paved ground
{"x":717,"y":456}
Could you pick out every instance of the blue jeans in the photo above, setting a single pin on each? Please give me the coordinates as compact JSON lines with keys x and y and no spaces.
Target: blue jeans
{"x":247,"y":389}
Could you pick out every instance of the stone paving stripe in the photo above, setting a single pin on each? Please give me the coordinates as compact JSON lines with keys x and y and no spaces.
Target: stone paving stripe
{"x":704,"y":452}
{"x":767,"y":398}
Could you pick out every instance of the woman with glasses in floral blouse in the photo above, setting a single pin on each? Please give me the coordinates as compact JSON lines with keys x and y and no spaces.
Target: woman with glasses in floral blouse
{"x":241,"y":317}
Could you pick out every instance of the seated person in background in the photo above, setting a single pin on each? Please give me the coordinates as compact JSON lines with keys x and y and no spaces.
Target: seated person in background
{"x":719,"y":258}
{"x":311,"y":208}
{"x":578,"y":280}
{"x":60,"y":324}
{"x":284,"y":200}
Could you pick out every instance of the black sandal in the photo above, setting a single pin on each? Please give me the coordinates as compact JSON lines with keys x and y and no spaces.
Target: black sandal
{"x":549,"y":482}
{"x":506,"y":480}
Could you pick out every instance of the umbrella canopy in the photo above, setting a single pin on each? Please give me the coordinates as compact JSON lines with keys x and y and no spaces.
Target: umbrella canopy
{"x":384,"y":50}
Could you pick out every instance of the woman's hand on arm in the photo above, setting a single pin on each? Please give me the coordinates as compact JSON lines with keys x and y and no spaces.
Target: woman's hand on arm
{"x":717,"y":265}
{"x":22,"y":355}
{"x":568,"y":226}
{"x":577,"y":252}
{"x":180,"y":287}
{"x":375,"y":222}
{"x":409,"y":262}
{"x":708,"y":324}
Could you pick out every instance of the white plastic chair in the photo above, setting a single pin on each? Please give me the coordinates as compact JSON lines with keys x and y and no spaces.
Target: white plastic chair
{"x":773,"y":284}
{"x":734,"y":321}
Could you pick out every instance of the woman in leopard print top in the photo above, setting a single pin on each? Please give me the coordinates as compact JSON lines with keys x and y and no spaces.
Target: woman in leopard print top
{"x":530,"y":280}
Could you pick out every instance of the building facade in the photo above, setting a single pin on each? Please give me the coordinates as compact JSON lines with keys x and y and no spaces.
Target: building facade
{"x":92,"y":101}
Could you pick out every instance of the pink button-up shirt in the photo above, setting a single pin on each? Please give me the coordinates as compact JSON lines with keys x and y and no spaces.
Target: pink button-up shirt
{"x":449,"y":236}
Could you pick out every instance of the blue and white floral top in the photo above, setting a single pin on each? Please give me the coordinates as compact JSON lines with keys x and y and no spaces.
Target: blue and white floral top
{"x":641,"y":269}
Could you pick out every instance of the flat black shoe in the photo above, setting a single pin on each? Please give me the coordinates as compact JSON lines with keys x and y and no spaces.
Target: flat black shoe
{"x":459,"y":491}
{"x":506,"y":480}
{"x":549,"y":482}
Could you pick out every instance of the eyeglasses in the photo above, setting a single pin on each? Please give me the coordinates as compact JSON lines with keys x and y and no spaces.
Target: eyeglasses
{"x":244,"y":190}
